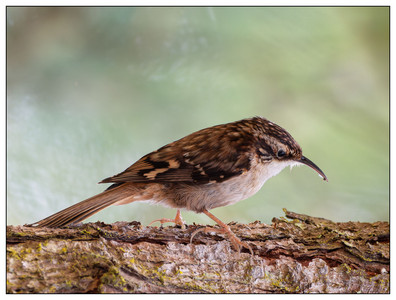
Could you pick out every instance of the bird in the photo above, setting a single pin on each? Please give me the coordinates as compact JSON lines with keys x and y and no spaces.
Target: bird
{"x":213,"y":167}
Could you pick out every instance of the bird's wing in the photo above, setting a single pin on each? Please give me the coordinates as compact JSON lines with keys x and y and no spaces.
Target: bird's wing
{"x":210,"y":155}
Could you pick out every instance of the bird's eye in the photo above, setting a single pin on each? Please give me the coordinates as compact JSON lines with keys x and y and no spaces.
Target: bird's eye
{"x":281,"y":153}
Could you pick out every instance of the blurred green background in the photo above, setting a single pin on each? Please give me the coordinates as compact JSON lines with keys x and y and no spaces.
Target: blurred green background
{"x":91,"y":90}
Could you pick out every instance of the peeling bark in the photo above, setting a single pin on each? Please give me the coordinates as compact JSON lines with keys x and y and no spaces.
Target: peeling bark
{"x":301,"y":254}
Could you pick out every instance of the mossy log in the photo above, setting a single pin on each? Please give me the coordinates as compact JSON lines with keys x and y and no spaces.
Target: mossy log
{"x":301,"y":255}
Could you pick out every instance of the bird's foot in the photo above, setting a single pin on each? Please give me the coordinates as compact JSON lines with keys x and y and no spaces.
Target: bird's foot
{"x":178,"y":220}
{"x":235,"y":241}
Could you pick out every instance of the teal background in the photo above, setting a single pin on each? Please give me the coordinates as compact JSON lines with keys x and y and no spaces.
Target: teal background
{"x":91,"y":90}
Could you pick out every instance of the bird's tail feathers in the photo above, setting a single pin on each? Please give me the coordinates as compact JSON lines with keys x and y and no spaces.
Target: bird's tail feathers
{"x":84,"y":209}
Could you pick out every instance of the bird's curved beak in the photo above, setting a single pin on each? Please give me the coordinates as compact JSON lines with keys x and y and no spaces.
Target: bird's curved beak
{"x":309,"y":163}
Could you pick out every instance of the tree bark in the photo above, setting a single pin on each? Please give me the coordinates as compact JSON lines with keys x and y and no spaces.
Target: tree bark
{"x":301,"y":255}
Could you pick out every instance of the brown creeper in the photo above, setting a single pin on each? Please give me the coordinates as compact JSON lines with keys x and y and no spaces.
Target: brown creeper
{"x":215,"y":166}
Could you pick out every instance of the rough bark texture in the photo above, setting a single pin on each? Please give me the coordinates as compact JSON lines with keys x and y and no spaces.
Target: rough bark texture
{"x":301,"y":255}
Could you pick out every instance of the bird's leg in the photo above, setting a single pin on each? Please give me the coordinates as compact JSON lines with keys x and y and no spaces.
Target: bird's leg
{"x":177,"y":220}
{"x":235,"y":241}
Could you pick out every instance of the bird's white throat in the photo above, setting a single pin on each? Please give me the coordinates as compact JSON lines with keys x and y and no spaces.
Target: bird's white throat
{"x":273,"y":168}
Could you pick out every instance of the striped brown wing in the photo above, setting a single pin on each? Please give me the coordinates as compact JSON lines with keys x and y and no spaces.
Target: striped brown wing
{"x":213,"y":154}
